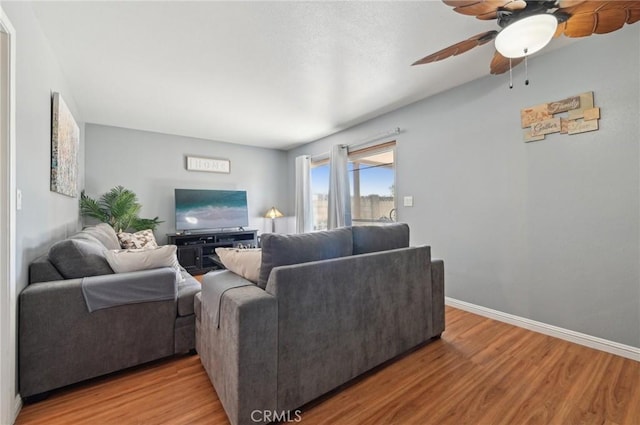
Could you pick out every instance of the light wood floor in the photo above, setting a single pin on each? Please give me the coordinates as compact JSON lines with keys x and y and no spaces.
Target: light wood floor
{"x":480,"y":372}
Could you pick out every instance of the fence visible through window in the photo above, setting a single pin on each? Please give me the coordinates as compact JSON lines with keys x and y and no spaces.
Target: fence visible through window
{"x":372,"y":180}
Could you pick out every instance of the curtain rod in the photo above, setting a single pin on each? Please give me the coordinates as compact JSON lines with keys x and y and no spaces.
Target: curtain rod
{"x":379,"y":136}
{"x":361,"y":143}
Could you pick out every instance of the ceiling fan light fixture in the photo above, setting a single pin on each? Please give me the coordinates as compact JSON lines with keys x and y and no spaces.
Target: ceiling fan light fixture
{"x":526,"y":36}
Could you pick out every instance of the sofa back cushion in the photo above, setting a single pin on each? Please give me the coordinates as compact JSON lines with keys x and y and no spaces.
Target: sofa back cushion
{"x":282,"y":250}
{"x":102,"y":232}
{"x":79,"y":257}
{"x":41,"y":270}
{"x":379,"y":238}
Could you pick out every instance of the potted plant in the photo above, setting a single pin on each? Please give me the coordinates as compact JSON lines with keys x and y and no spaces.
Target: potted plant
{"x":119,"y":207}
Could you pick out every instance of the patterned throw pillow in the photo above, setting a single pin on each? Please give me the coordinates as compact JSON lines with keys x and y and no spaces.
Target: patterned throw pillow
{"x":141,"y":239}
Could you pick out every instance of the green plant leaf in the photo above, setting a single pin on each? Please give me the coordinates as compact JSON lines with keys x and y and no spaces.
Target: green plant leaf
{"x":145,"y":223}
{"x":91,"y":208}
{"x":119,"y":207}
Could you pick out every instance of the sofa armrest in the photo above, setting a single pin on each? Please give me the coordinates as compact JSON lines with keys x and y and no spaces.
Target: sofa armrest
{"x":437,"y":294}
{"x":240,"y":355}
{"x":61,"y":342}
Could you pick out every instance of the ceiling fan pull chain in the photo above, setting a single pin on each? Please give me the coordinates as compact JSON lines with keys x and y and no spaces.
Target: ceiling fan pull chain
{"x":526,"y":68}
{"x":510,"y":75}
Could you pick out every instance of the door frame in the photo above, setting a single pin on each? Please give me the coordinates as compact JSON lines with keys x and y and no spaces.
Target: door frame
{"x":10,"y":402}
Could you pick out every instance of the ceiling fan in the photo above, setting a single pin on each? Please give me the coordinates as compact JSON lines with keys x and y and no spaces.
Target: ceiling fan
{"x":527,"y":26}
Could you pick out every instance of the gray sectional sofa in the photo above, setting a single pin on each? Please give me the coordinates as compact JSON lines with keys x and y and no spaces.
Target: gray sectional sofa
{"x":61,"y":342}
{"x":328,"y":306}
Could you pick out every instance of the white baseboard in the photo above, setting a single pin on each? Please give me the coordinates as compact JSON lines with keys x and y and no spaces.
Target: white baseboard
{"x":612,"y":347}
{"x":17,"y":407}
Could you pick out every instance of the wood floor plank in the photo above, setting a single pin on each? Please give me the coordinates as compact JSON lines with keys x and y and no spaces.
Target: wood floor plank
{"x":480,"y":372}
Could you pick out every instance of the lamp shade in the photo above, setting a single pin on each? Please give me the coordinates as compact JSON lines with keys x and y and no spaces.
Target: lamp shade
{"x":273,"y":213}
{"x":526,"y":36}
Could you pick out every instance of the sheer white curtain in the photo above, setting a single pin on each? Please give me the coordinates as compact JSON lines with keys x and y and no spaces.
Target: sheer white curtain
{"x":304,"y":221}
{"x":339,"y":196}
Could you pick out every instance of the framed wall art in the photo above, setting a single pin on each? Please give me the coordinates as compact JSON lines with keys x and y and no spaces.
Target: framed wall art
{"x":65,"y":143}
{"x":211,"y":165}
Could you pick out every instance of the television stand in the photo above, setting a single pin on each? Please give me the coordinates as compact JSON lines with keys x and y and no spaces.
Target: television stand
{"x":197,"y":251}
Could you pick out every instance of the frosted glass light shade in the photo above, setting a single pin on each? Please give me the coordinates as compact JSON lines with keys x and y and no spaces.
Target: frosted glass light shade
{"x":526,"y":36}
{"x":273,"y":213}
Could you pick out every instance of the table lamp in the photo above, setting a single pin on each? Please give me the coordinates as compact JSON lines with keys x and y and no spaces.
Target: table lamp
{"x":273,"y":213}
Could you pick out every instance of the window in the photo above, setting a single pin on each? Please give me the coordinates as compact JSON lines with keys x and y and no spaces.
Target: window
{"x":320,"y":194}
{"x":372,"y":180}
{"x":372,"y":176}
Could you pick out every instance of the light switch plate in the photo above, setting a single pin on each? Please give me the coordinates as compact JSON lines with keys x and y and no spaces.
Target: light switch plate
{"x":408,"y":201}
{"x":18,"y":199}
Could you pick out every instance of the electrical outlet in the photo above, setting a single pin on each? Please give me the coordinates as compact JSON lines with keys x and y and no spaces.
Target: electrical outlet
{"x":408,"y":201}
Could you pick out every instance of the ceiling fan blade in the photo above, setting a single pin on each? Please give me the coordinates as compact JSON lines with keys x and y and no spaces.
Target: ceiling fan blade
{"x":632,"y":9}
{"x":633,"y":16}
{"x":460,"y":3}
{"x":488,"y":16}
{"x":599,"y":17}
{"x":500,"y":64}
{"x":593,"y":6}
{"x":589,"y":6}
{"x":560,"y":30}
{"x":580,"y":25}
{"x":512,"y":5}
{"x":610,"y":20}
{"x":458,"y":48}
{"x":619,"y":4}
{"x":569,"y":3}
{"x":480,"y":7}
{"x":515,"y":5}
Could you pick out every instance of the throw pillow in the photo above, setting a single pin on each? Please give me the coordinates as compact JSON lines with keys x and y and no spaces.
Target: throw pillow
{"x":137,"y":240}
{"x":243,"y":262}
{"x":131,"y":260}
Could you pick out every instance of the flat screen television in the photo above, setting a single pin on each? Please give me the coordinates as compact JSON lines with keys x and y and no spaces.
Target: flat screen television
{"x":201,"y":209}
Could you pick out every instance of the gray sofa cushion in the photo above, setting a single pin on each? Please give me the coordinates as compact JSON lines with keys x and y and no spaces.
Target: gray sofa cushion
{"x":86,"y":236}
{"x":187,"y":290}
{"x":41,"y":270}
{"x":75,"y":258}
{"x":283,"y":250}
{"x":197,"y":305}
{"x":103,"y":232}
{"x":379,"y":238}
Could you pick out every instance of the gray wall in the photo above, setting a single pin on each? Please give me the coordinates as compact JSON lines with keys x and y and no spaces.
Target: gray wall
{"x":45,"y":216}
{"x":546,"y":230}
{"x":153,"y":165}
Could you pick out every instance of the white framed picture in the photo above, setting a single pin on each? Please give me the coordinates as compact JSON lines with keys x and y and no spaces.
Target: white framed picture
{"x":211,"y":165}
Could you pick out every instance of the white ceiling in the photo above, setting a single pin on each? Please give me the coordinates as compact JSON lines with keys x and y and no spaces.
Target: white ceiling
{"x":271,"y":74}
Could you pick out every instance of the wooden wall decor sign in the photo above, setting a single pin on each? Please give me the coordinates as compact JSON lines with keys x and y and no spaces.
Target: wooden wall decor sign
{"x":211,"y":165}
{"x":581,"y":116}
